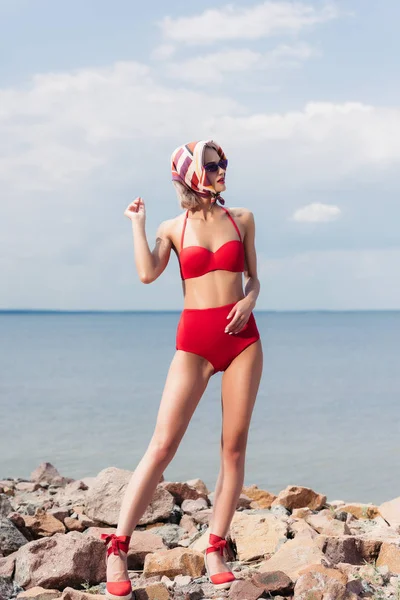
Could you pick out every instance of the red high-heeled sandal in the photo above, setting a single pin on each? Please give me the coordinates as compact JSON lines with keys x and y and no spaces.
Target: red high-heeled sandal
{"x":117,"y":590}
{"x":220,"y":580}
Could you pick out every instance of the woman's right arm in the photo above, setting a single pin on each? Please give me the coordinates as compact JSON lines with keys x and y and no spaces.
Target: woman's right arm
{"x":149,"y":264}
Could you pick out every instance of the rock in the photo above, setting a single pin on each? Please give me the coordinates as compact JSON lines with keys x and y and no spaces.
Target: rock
{"x":182,"y":580}
{"x":170,"y":534}
{"x":294,"y":555}
{"x":38,"y":593}
{"x":43,"y":525}
{"x":243,"y":589}
{"x":319,"y":582}
{"x":256,"y":535}
{"x":61,"y":560}
{"x":259,"y":498}
{"x":72,"y":493}
{"x":152,"y":591}
{"x":11,"y":539}
{"x":193,"y":506}
{"x":188,"y":524}
{"x":350,"y":549}
{"x":273,"y":582}
{"x":7,"y":566}
{"x":72,"y":594}
{"x":326,"y":524}
{"x":5,"y":506}
{"x":183,"y":491}
{"x":178,"y":561}
{"x":143,"y":543}
{"x":46,"y":473}
{"x":203,"y":516}
{"x":104,"y":497}
{"x":361,"y":511}
{"x":390,"y":511}
{"x":243,"y":502}
{"x":294,"y":496}
{"x":389,"y":555}
{"x":198,"y":485}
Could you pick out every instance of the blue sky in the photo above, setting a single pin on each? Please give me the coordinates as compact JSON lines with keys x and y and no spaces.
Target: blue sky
{"x":303,"y":97}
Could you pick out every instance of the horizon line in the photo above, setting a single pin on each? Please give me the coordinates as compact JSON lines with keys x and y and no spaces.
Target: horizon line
{"x":124,"y":311}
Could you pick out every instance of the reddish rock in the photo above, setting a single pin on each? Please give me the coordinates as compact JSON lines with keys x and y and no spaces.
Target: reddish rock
{"x":46,"y":473}
{"x":389,"y":555}
{"x":243,"y":589}
{"x":259,"y":498}
{"x":61,"y":560}
{"x":294,"y":496}
{"x":178,"y":561}
{"x":183,"y":491}
{"x":273,"y":582}
{"x":350,"y":549}
{"x":43,"y":525}
{"x":390,"y":511}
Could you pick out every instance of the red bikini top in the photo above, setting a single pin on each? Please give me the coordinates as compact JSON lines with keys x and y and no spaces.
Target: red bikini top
{"x":197,"y":260}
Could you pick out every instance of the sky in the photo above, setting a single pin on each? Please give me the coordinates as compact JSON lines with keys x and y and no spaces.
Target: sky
{"x":304,"y":98}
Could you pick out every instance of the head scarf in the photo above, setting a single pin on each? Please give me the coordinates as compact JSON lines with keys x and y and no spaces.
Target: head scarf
{"x":187,"y":167}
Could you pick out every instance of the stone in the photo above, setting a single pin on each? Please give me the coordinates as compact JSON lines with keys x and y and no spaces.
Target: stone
{"x":259,"y":498}
{"x":43,"y":525}
{"x":361,"y":511}
{"x":294,"y":555}
{"x":38,"y":593}
{"x":389,"y":555}
{"x":390,"y":511}
{"x":183,"y":491}
{"x":256,"y":535}
{"x":199,"y":485}
{"x":11,"y":539}
{"x":273,"y":582}
{"x":61,"y":560}
{"x":178,"y":561}
{"x":294,"y":496}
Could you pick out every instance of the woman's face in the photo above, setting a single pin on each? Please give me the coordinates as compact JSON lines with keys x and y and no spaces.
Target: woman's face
{"x":216,"y":178}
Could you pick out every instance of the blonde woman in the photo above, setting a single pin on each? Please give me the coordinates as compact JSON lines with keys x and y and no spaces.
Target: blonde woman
{"x":216,"y":332}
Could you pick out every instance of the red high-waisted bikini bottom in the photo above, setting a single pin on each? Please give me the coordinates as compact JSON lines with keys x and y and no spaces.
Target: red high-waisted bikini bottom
{"x":202,"y":331}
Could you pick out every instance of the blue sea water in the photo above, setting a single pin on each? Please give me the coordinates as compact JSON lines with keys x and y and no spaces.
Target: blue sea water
{"x":82,"y":390}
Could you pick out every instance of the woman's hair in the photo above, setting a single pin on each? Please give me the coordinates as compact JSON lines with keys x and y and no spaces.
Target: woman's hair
{"x":187,"y":197}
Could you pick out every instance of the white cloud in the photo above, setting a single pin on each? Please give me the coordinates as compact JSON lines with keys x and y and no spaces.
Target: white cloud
{"x":163,"y":52}
{"x":316,"y":213}
{"x":261,"y":20}
{"x":211,"y":68}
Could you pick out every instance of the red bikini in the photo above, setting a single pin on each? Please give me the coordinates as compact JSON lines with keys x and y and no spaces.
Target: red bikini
{"x":202,"y":331}
{"x":196,"y":260}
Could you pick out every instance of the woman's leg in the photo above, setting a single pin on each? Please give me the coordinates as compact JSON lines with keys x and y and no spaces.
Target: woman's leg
{"x":240,"y":383}
{"x":186,"y":381}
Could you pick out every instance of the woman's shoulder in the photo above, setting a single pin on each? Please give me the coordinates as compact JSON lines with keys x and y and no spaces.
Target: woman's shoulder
{"x":244,"y":214}
{"x":169,"y":226}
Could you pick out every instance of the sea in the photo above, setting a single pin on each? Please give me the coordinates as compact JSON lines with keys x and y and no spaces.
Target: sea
{"x":81,"y":390}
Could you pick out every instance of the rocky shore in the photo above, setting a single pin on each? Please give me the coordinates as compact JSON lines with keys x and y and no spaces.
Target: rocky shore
{"x":294,"y":545}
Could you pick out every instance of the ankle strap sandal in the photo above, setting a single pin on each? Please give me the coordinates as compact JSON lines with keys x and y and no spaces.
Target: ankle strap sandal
{"x":220,"y":580}
{"x":117,"y":590}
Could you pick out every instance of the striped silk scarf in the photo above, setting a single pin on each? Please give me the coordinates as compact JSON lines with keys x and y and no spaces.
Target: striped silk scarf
{"x":187,"y":167}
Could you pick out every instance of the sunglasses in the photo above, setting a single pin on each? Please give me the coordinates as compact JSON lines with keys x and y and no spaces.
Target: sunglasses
{"x":212,"y":167}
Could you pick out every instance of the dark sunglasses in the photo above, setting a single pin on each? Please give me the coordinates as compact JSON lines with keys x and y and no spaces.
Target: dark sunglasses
{"x":212,"y":167}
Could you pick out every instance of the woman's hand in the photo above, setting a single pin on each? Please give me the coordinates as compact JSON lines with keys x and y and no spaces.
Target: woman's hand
{"x":241,"y":313}
{"x":136,"y":211}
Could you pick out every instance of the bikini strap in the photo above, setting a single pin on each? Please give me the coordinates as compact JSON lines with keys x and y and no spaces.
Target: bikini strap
{"x":183,"y":229}
{"x":233,"y":221}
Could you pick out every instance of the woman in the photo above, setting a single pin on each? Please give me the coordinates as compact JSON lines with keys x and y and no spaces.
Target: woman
{"x":216,"y":332}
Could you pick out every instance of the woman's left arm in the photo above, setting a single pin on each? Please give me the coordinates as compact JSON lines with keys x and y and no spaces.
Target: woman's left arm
{"x":242,"y":309}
